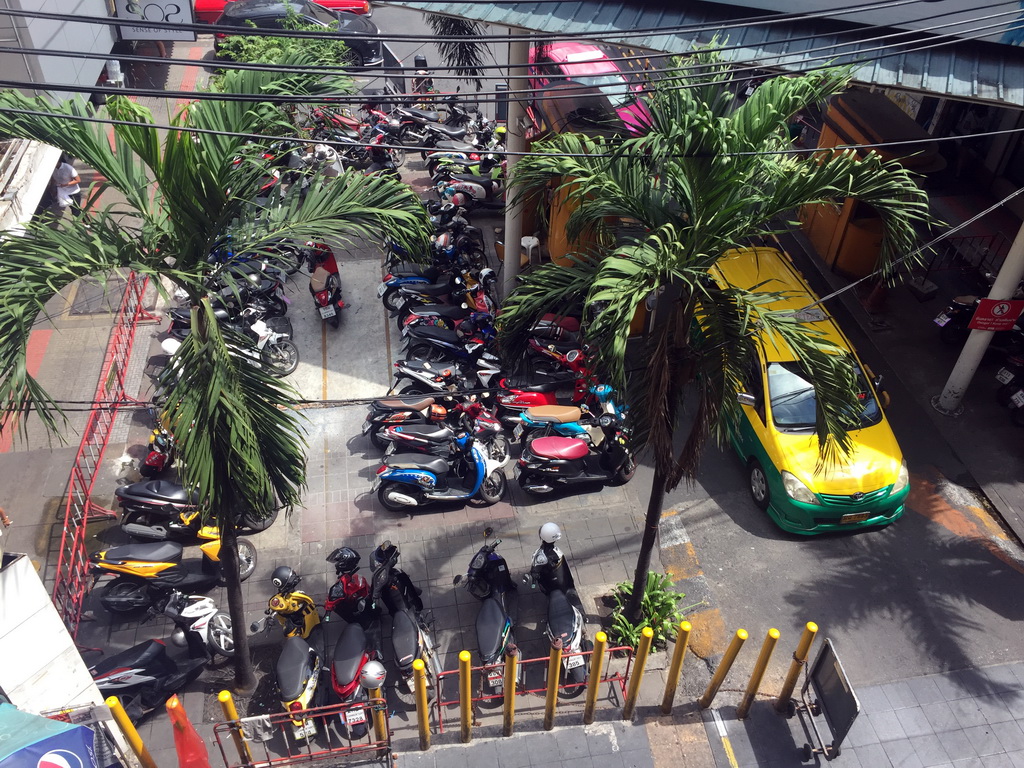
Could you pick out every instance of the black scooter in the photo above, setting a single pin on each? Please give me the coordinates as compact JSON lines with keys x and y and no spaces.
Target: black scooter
{"x":488,"y":579}
{"x":548,"y":463}
{"x":143,"y":677}
{"x":954,"y":328}
{"x":391,"y":411}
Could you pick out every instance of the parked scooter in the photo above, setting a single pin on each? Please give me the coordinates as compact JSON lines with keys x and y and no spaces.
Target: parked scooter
{"x":349,"y":596}
{"x":325,"y":284}
{"x":290,"y":607}
{"x":439,"y":439}
{"x":568,"y":421}
{"x":198,"y":624}
{"x":1011,"y":391}
{"x":471,"y":192}
{"x":400,"y":410}
{"x":267,"y":343}
{"x":489,"y":580}
{"x":954,"y":327}
{"x":472,"y":340}
{"x":160,"y":455}
{"x":552,"y":462}
{"x":550,"y":571}
{"x":146,"y":573}
{"x":143,"y":677}
{"x":407,"y":480}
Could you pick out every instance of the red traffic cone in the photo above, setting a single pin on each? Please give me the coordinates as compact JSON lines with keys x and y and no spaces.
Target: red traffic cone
{"x":187,"y":742}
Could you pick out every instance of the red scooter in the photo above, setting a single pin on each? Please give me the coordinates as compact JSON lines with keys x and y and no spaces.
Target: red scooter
{"x":570,"y":387}
{"x":324,"y":283}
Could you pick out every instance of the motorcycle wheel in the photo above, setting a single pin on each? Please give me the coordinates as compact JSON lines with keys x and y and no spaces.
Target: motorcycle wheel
{"x":282,"y":359}
{"x":246,"y":559}
{"x":376,"y":441}
{"x":291,"y":259}
{"x":397,"y":155}
{"x":125,"y":595}
{"x":499,"y":448}
{"x":528,"y":435}
{"x":493,"y":487}
{"x":428,"y":352}
{"x":220,"y":638}
{"x":383,"y":494}
{"x":953,"y":335}
{"x":392,"y":300}
{"x":256,"y":524}
{"x":625,"y":473}
{"x":335,"y":321}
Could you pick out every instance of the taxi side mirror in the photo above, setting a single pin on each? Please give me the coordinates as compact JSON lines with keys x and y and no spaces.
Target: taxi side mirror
{"x":745,"y":398}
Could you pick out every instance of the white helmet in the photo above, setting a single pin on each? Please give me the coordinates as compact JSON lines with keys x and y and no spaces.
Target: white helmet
{"x":550,"y":533}
{"x":372,"y":675}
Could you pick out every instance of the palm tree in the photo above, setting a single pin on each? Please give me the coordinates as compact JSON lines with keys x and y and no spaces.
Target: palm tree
{"x":465,"y":57}
{"x":183,"y":194}
{"x":652,"y":213}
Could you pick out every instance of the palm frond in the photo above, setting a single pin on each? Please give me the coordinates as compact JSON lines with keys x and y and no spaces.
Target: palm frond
{"x":465,"y":57}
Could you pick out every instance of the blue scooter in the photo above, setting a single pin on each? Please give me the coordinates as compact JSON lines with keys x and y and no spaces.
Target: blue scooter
{"x":416,"y":479}
{"x":568,"y":421}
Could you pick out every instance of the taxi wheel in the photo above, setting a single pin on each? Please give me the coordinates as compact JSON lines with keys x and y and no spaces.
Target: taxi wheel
{"x":758,"y":484}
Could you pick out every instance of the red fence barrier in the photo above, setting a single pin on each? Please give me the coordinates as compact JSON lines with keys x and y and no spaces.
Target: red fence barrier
{"x":72,"y":577}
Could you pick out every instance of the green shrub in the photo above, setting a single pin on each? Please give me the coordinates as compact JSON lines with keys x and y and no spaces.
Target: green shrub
{"x":658,"y":610}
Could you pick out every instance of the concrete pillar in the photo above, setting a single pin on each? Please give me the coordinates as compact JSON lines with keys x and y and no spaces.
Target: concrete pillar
{"x":515,"y":143}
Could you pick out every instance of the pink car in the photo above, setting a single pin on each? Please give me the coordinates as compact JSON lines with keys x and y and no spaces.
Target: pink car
{"x":207,"y":11}
{"x":589,"y":64}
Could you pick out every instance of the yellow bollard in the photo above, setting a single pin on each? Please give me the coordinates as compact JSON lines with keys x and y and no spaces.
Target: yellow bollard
{"x":227,"y":703}
{"x":596,"y":668}
{"x":419,"y":673}
{"x":511,"y":672}
{"x":466,"y":695}
{"x":134,"y":740}
{"x":676,"y":668}
{"x":723,"y":669}
{"x":554,"y":673}
{"x":758,"y":674}
{"x":380,"y":722}
{"x":803,"y":650}
{"x":646,"y":638}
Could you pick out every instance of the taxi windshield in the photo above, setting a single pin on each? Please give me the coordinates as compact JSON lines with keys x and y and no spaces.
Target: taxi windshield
{"x":794,"y":402}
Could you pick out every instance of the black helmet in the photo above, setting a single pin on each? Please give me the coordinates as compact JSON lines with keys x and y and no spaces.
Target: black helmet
{"x":285,"y":579}
{"x":345,"y":559}
{"x":386,"y":552}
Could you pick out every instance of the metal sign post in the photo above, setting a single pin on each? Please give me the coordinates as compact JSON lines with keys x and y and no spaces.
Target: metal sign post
{"x":833,"y":697}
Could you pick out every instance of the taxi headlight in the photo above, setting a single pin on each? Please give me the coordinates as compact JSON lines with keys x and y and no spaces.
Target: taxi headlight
{"x":903,"y":479}
{"x":797,"y":490}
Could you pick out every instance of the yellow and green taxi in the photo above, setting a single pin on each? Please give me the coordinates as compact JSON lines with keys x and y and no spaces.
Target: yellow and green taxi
{"x":775,"y":437}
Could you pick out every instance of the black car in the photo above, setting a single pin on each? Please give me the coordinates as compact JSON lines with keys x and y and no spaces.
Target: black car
{"x":357,"y":32}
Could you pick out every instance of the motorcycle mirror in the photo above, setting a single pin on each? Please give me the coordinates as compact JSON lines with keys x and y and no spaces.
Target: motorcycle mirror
{"x":465,"y":305}
{"x":488,"y":532}
{"x":255,"y":626}
{"x":457,"y":580}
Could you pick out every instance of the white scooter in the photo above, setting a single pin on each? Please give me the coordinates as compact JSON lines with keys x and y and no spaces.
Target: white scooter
{"x":199,"y":625}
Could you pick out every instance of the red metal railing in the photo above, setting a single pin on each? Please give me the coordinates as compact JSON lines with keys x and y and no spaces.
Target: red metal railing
{"x":618,"y":657}
{"x":72,"y":576}
{"x":271,"y":739}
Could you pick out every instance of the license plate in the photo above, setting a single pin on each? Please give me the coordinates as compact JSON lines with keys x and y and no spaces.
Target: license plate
{"x":376,"y":484}
{"x":942,"y":319}
{"x":328,"y":311}
{"x":306,"y":730}
{"x":572,"y":662}
{"x":382,"y":289}
{"x":405,"y":330}
{"x":355,"y":716}
{"x":516,"y":472}
{"x":858,"y":517}
{"x":1005,"y":376}
{"x":496,"y":678}
{"x":366,"y":427}
{"x":518,"y":431}
{"x":1018,"y":399}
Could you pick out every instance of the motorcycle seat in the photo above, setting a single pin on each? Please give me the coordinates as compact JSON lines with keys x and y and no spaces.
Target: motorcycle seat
{"x":431,"y":273}
{"x":449,"y":131}
{"x":403,"y":638}
{"x":561,"y":615}
{"x":141,"y":655}
{"x":150,"y":552}
{"x":149,"y":491}
{"x":318,"y":280}
{"x":484,"y":181}
{"x":450,"y":311}
{"x":456,"y":146}
{"x":565,"y":448}
{"x":403,"y":404}
{"x":426,"y":289}
{"x":417,"y":461}
{"x":490,"y":627}
{"x":554,"y":414}
{"x":293,"y":668}
{"x":563,"y":346}
{"x":426,"y":432}
{"x":435,"y":333}
{"x":348,"y":654}
{"x":426,"y":115}
{"x":526,"y":385}
{"x":966,"y":300}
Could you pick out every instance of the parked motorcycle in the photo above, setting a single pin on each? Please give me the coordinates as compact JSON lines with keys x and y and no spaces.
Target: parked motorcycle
{"x":198,"y":624}
{"x":143,"y":677}
{"x":289,"y":607}
{"x":146,"y":573}
{"x":1011,"y":390}
{"x":160,"y":453}
{"x":471,"y":192}
{"x":325,"y":284}
{"x":552,"y":462}
{"x":414,"y":480}
{"x":298,"y":675}
{"x":568,"y":421}
{"x":267,"y":344}
{"x":349,"y":597}
{"x":550,"y":571}
{"x":473,"y":339}
{"x":159,"y":510}
{"x":399,"y":410}
{"x":488,"y":579}
{"x":954,"y":327}
{"x":439,"y":439}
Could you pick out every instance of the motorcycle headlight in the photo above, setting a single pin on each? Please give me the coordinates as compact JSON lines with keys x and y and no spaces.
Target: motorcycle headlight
{"x":797,"y":490}
{"x":902,"y":480}
{"x":178,"y":637}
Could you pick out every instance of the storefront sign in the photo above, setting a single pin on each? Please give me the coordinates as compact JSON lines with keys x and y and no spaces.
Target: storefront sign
{"x":164,"y":11}
{"x":996,"y":314}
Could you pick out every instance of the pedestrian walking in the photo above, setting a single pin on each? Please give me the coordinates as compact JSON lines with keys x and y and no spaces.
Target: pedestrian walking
{"x":68,"y":186}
